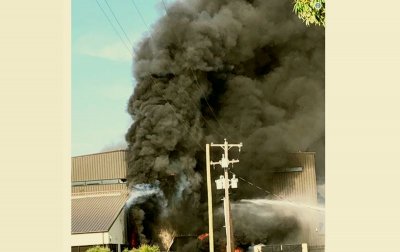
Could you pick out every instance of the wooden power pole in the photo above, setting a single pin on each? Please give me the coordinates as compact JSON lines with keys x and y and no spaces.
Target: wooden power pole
{"x":210,"y":208}
{"x":223,"y":183}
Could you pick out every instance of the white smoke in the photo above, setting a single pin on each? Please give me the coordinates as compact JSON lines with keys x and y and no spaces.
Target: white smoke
{"x":141,"y":192}
{"x":283,"y":203}
{"x":260,"y":219}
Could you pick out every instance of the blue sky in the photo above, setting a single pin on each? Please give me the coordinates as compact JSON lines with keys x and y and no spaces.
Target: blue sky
{"x":102,"y":69}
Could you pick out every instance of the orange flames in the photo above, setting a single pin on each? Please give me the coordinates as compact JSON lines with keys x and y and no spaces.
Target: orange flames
{"x":202,"y":236}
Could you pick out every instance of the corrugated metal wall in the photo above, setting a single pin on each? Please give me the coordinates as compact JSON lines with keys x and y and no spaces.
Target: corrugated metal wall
{"x":312,"y":235}
{"x":106,"y":165}
{"x":98,"y":188}
{"x":298,"y":186}
{"x":301,"y":186}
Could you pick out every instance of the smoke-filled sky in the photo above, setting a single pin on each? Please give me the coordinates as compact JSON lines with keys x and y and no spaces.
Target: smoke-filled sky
{"x":102,"y":70}
{"x":249,"y":71}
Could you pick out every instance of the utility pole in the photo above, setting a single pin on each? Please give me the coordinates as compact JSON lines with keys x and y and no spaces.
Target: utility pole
{"x":209,"y":194}
{"x":223,"y":183}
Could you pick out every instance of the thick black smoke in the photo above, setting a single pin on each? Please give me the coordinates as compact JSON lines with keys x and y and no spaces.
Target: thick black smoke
{"x":248,"y":71}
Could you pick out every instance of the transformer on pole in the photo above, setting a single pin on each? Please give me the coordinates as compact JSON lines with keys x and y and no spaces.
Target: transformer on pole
{"x":224,"y":183}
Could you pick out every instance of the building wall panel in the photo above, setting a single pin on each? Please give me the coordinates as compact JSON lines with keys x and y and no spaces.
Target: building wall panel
{"x":298,"y":186}
{"x":98,"y":188}
{"x":107,"y":165}
{"x":89,"y":239}
{"x":117,"y":232}
{"x":302,"y":187}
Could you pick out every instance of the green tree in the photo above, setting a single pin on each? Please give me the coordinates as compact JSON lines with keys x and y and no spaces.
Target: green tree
{"x":310,"y":11}
{"x":98,"y":249}
{"x":144,"y":248}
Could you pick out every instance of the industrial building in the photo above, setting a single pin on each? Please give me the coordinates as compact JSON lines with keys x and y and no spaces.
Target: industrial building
{"x":297,"y":183}
{"x":99,"y":194}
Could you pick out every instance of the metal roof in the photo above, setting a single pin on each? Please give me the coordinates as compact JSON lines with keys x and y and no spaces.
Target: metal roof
{"x":97,"y":212}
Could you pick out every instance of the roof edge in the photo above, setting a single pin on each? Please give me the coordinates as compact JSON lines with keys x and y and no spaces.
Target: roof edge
{"x":99,"y":153}
{"x":91,"y":232}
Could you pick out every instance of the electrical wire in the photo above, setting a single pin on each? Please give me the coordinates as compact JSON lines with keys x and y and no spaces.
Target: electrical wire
{"x":120,"y":26}
{"x":202,"y":116}
{"x":144,"y":22}
{"x":196,"y":81}
{"x":176,"y":115}
{"x":109,"y":21}
{"x":140,"y":14}
{"x":199,"y":87}
{"x":273,"y":194}
{"x":165,"y":7}
{"x":208,"y":104}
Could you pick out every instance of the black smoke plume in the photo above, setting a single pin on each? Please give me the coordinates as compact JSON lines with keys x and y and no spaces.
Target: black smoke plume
{"x":248,"y":71}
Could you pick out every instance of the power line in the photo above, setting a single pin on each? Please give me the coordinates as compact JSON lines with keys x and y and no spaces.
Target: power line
{"x":204,"y":119}
{"x":149,"y":73}
{"x":196,"y":82}
{"x":183,"y":123}
{"x":187,"y":129}
{"x":176,"y":115}
{"x":140,"y":14}
{"x":208,"y":104}
{"x":273,"y":194}
{"x":165,"y":7}
{"x":120,"y":26}
{"x":109,"y":21}
{"x":144,"y":22}
{"x":248,"y":182}
{"x":198,"y":85}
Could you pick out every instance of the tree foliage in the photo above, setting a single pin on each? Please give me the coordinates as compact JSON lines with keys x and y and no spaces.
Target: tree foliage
{"x":144,"y":248}
{"x":310,"y":11}
{"x":98,"y":249}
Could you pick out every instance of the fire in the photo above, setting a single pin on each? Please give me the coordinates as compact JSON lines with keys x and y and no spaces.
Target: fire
{"x":202,"y":236}
{"x":166,"y":237}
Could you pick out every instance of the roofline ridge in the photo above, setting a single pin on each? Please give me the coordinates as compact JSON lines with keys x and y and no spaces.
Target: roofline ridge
{"x":98,"y":153}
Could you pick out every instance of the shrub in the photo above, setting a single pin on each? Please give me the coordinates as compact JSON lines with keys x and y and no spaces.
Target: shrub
{"x":144,"y":248}
{"x":98,"y":249}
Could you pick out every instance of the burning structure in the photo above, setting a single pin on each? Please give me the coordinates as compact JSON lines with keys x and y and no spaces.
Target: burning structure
{"x":248,"y":71}
{"x":245,"y":70}
{"x":99,"y":193}
{"x":290,"y":214}
{"x":297,"y":181}
{"x":297,"y":184}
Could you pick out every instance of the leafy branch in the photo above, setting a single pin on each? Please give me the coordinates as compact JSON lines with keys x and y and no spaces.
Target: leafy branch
{"x":310,"y":11}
